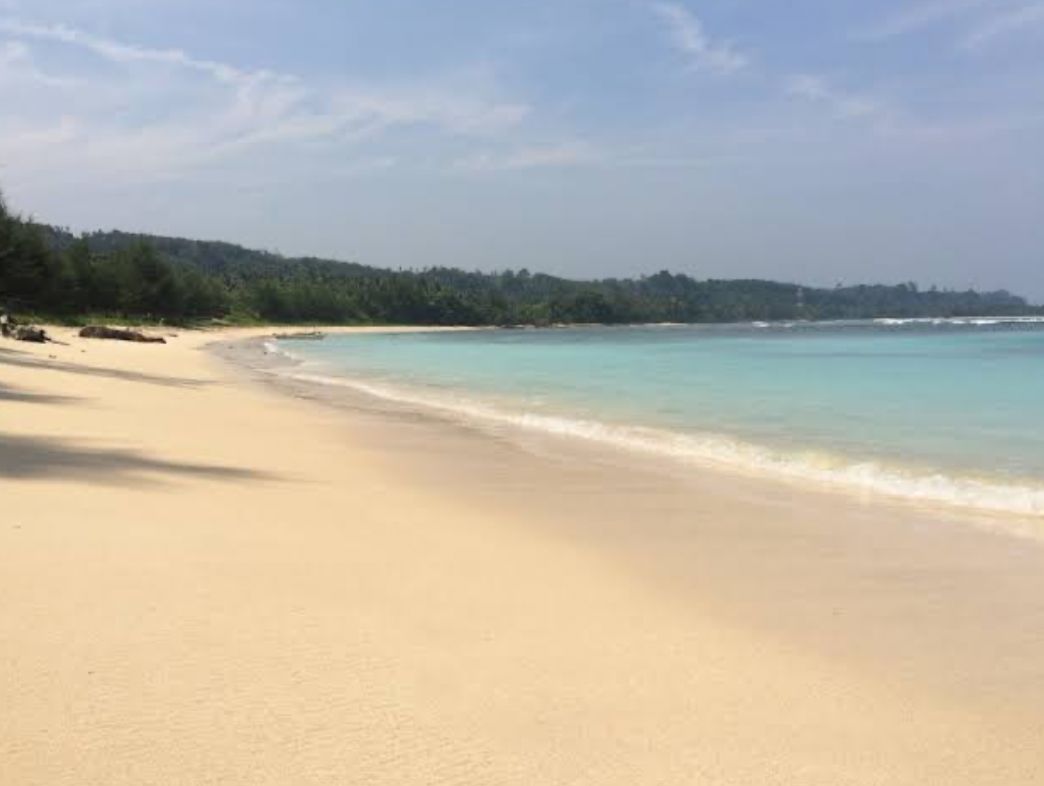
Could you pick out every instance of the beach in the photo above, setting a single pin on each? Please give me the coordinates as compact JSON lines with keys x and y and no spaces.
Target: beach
{"x":210,"y":577}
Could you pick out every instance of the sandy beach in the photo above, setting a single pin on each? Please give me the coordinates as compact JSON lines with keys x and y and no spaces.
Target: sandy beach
{"x":210,"y":579}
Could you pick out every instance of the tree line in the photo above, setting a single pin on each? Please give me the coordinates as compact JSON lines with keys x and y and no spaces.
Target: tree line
{"x":49,"y":271}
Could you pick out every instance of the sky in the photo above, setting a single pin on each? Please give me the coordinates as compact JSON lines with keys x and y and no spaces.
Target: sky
{"x":817,"y":141}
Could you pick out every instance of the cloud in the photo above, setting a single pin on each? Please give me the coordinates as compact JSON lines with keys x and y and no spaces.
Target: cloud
{"x":1013,"y":21}
{"x":118,"y":52}
{"x":156,"y":112}
{"x":989,"y":20}
{"x":13,"y":52}
{"x":818,"y":90}
{"x":688,"y":36}
{"x":921,"y":17}
{"x":531,"y":157}
{"x":260,"y":91}
{"x":17,"y":65}
{"x":963,"y":131}
{"x":576,"y":154}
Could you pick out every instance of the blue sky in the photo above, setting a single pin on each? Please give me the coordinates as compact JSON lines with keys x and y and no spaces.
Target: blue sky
{"x":821,"y":142}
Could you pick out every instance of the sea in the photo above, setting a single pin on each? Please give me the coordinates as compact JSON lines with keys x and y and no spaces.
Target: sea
{"x":940,"y":411}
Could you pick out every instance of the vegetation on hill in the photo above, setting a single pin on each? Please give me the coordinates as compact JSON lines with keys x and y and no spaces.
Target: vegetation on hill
{"x":47,"y":270}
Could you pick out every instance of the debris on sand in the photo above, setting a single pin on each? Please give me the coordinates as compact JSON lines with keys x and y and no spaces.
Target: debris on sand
{"x":29,"y":333}
{"x":312,"y":335}
{"x":9,"y":328}
{"x":119,"y":334}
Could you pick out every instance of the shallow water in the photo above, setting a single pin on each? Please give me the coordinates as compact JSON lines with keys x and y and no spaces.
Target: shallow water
{"x":942,"y":411}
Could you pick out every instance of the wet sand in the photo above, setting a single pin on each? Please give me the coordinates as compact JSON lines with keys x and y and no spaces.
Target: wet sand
{"x":209,"y":578}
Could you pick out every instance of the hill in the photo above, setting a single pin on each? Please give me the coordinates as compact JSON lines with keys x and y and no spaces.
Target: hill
{"x":49,"y":270}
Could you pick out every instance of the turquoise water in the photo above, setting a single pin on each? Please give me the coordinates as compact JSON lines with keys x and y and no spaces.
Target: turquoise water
{"x":945,"y":411}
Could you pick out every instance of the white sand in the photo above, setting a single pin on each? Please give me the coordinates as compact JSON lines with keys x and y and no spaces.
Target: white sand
{"x":205,"y":581}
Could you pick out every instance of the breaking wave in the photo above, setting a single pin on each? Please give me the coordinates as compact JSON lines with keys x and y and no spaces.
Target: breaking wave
{"x":718,"y":451}
{"x":971,"y":321}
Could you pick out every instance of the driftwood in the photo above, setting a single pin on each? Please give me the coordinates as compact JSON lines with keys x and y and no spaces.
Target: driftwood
{"x":29,"y":333}
{"x":119,"y":334}
{"x":313,"y":335}
{"x":9,"y":328}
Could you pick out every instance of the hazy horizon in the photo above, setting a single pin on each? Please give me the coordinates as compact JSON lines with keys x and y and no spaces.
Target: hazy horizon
{"x":819,"y":143}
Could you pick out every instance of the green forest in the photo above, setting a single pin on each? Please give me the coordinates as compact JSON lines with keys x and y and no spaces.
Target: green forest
{"x":48,"y":272}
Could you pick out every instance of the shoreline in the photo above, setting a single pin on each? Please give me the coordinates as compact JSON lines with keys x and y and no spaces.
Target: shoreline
{"x":748,"y":501}
{"x":207,"y":579}
{"x":1016,"y":509}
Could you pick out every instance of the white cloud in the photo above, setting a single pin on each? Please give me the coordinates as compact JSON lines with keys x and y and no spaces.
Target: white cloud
{"x":532,"y":157}
{"x":817,"y":89}
{"x":983,"y":20}
{"x":962,"y":131}
{"x":1016,"y":20}
{"x":17,"y":65}
{"x":13,"y":52}
{"x":118,"y":52}
{"x":689,"y":37}
{"x":922,"y":16}
{"x":159,"y":112}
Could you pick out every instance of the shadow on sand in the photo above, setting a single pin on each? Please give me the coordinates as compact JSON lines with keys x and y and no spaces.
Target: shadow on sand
{"x":26,"y":458}
{"x":13,"y":357}
{"x":22,"y":396}
{"x":32,"y":457}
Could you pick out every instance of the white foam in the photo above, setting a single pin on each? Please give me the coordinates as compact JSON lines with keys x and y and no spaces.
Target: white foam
{"x":973,"y":321}
{"x":273,"y":347}
{"x":723,"y":452}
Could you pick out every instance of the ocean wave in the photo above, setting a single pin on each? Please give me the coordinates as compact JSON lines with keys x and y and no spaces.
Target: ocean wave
{"x":273,"y":347}
{"x":971,"y":321}
{"x":716,"y":451}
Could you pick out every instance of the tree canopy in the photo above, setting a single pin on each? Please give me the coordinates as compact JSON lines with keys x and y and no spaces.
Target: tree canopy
{"x":48,"y":270}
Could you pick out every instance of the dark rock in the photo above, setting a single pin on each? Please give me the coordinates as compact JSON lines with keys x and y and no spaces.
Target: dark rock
{"x":119,"y":334}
